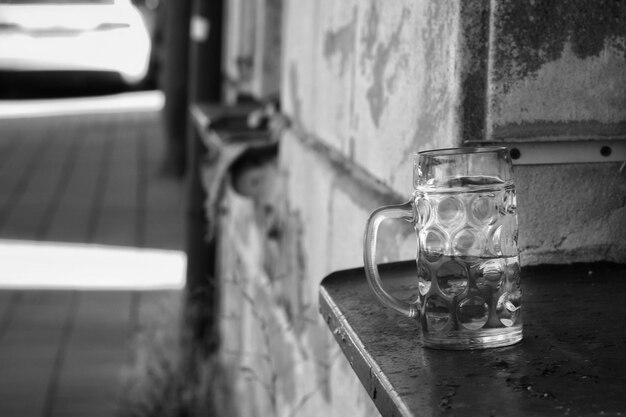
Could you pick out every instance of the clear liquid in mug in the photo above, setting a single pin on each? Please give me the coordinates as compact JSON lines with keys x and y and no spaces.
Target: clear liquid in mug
{"x":468,"y":267}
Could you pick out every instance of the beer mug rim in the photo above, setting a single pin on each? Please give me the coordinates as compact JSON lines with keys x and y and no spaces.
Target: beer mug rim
{"x":462,"y":150}
{"x":435,"y":166}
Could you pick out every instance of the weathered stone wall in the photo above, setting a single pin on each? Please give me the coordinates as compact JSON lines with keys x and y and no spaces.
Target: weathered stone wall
{"x":280,"y":356}
{"x":374,"y":80}
{"x":557,"y":69}
{"x":558,"y":72}
{"x":365,"y":85}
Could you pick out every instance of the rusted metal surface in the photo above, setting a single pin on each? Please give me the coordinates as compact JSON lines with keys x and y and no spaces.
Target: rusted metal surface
{"x":569,"y":362}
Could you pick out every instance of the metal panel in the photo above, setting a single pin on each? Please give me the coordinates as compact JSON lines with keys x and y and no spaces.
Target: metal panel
{"x":562,"y":366}
{"x":562,"y":151}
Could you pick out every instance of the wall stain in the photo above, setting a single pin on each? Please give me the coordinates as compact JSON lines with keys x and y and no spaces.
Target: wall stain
{"x":293,"y":88}
{"x":370,"y":35}
{"x":530,"y":34}
{"x":436,"y":105}
{"x":474,"y":52}
{"x":376,"y":93}
{"x":341,"y":42}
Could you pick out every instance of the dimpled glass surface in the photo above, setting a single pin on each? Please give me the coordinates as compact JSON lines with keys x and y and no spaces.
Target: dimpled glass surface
{"x":468,"y":265}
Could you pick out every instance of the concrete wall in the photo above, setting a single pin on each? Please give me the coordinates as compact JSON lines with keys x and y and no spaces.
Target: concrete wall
{"x":378,"y":83}
{"x":558,"y":72}
{"x":282,"y":360}
{"x":375,"y":83}
{"x":367,"y":83}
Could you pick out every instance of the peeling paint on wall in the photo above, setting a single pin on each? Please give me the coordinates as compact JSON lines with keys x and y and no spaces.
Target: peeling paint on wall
{"x":438,"y":93}
{"x":474,"y":50}
{"x":296,"y":103}
{"x":340,"y":42}
{"x":533,"y":33}
{"x":377,"y":60}
{"x":370,"y":34}
{"x":292,"y":259}
{"x":558,"y":69}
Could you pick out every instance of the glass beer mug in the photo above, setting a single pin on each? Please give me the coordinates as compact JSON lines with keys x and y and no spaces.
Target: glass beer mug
{"x":463,"y":209}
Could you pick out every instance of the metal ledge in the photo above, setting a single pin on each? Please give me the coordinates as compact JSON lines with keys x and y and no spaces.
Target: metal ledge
{"x":562,"y":366}
{"x":561,"y":151}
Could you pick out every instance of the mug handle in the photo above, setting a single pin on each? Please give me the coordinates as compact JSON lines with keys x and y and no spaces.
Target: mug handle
{"x":402,"y":211}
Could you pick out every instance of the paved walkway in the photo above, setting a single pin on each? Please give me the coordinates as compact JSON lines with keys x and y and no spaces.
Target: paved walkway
{"x":91,"y":180}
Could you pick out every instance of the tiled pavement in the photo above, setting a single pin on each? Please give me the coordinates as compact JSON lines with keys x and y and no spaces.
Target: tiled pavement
{"x":89,"y":179}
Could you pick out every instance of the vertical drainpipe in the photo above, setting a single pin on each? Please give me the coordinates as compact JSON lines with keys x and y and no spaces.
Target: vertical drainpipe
{"x":204,"y":86}
{"x":175,"y":84}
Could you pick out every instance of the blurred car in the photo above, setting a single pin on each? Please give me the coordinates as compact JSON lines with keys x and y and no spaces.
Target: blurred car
{"x":74,"y":35}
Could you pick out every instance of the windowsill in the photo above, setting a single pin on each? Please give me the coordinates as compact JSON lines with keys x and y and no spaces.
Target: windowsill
{"x":569,"y":362}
